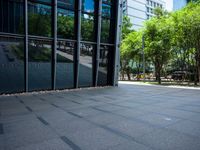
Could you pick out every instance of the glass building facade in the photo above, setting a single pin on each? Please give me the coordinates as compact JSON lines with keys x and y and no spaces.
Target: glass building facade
{"x":57,"y":44}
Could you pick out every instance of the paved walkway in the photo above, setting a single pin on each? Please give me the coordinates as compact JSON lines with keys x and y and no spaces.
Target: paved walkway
{"x":130,"y":117}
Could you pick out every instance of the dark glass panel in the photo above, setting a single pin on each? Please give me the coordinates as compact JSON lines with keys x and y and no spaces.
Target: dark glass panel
{"x":12,"y":16}
{"x":86,"y":65}
{"x":106,"y":10}
{"x":66,"y":4}
{"x":42,"y":1}
{"x":11,"y":65}
{"x":105,"y":30}
{"x":39,"y":19}
{"x":106,"y":1}
{"x":65,"y":24}
{"x":39,"y":66}
{"x":88,"y":6}
{"x":103,"y":66}
{"x":65,"y":65}
{"x":87,"y":27}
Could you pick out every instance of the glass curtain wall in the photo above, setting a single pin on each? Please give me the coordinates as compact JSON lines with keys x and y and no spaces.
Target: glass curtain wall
{"x":38,"y":47}
{"x":65,"y":44}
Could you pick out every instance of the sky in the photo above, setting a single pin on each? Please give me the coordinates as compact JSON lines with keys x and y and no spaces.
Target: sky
{"x":169,"y":5}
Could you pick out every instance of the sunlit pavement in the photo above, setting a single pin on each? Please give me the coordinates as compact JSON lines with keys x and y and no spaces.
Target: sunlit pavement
{"x":128,"y":117}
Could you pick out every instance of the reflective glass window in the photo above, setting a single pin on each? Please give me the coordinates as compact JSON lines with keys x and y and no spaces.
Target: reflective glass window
{"x":66,"y":4}
{"x":87,"y":27}
{"x":65,"y":65}
{"x":12,"y":16}
{"x":39,"y":66}
{"x":43,"y":1}
{"x":106,"y":1}
{"x":103,"y":66}
{"x":105,"y":30}
{"x":11,"y":65}
{"x":106,"y":10}
{"x":86,"y":65}
{"x":88,"y":6}
{"x":65,"y":26}
{"x":39,"y":19}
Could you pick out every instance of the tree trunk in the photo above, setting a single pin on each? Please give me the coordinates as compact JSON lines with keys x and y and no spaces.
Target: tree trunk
{"x":158,"y":72}
{"x":128,"y":74}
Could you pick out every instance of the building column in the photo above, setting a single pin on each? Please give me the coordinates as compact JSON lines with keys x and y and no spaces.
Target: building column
{"x":117,"y":42}
{"x":54,"y":44}
{"x":98,"y":38}
{"x":26,"y":45}
{"x":78,"y":42}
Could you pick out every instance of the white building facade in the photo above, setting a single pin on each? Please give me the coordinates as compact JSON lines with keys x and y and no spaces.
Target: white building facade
{"x":140,"y":10}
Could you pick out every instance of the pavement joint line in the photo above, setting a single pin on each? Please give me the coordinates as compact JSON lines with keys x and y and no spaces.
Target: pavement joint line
{"x":42,"y":120}
{"x":29,"y":109}
{"x":99,"y":109}
{"x":55,"y":105}
{"x":187,"y":110}
{"x":1,"y":129}
{"x":75,"y":102}
{"x":21,"y":101}
{"x":73,"y":114}
{"x":70,"y":143}
{"x":59,"y":96}
{"x":42,"y":99}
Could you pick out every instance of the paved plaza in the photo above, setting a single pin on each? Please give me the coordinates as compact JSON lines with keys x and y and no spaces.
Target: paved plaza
{"x":128,"y":117}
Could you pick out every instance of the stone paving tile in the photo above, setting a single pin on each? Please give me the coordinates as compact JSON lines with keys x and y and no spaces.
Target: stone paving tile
{"x":132,"y":128}
{"x":52,"y":144}
{"x":187,"y":127}
{"x":130,"y":145}
{"x":169,"y":140}
{"x":86,"y":112}
{"x":95,"y":139}
{"x":158,"y":119}
{"x":106,"y":118}
{"x":26,"y":137}
{"x":71,"y":127}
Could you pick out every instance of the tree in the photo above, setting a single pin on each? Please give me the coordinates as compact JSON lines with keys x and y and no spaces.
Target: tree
{"x":125,"y":57}
{"x":130,"y":50}
{"x":158,"y":41}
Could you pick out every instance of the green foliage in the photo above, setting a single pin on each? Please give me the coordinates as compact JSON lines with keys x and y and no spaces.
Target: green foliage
{"x":65,"y":26}
{"x":126,"y":27}
{"x":172,"y":41}
{"x":158,"y":35}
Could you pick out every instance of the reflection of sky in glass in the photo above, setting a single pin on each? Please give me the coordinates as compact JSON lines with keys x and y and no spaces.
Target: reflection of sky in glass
{"x":88,"y":5}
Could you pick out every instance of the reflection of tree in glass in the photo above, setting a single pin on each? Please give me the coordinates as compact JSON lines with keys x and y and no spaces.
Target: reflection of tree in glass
{"x":105,"y":29}
{"x":39,"y":51}
{"x":40,"y":22}
{"x":87,"y":29}
{"x":65,"y":26}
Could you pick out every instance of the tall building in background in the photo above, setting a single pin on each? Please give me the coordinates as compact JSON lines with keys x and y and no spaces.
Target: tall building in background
{"x":140,"y":10}
{"x":58,"y":44}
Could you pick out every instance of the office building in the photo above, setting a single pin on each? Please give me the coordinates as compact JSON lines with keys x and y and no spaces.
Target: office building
{"x":140,"y":10}
{"x":58,"y":44}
